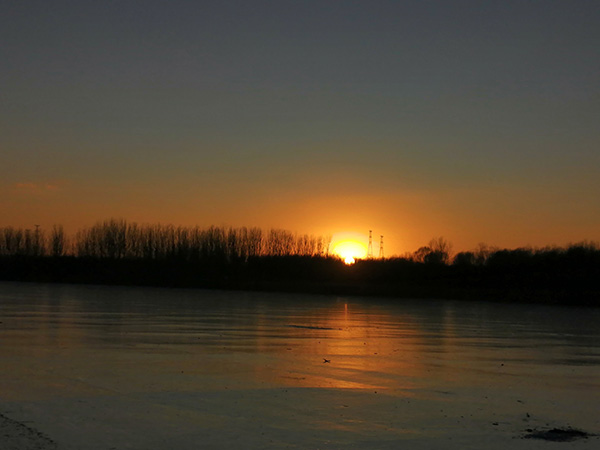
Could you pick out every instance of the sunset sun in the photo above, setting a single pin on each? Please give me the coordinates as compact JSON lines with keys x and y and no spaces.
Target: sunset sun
{"x":349,"y":248}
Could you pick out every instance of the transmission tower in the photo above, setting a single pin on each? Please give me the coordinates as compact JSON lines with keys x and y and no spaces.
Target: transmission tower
{"x":381,"y":246}
{"x":370,"y":248}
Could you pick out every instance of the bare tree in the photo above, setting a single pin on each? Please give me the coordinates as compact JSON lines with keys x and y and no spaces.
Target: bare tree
{"x":420,"y":254}
{"x":437,"y":251}
{"x":57,"y":241}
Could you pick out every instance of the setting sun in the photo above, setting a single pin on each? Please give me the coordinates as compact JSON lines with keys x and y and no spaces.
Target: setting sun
{"x":349,"y":247}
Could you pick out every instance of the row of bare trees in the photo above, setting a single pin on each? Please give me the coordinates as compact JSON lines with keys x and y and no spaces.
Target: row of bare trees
{"x":119,"y":239}
{"x":439,"y":251}
{"x":28,"y":242}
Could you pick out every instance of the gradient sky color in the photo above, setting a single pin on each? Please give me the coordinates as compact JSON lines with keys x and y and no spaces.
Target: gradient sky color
{"x":475,"y":120}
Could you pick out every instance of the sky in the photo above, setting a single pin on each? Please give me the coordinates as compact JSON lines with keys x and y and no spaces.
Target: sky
{"x":473,"y":120}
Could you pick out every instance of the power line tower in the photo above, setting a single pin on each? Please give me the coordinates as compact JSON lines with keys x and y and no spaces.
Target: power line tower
{"x":381,"y":246}
{"x":370,"y":248}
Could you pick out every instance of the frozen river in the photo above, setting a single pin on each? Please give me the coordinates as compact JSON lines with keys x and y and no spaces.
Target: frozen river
{"x":88,"y":367}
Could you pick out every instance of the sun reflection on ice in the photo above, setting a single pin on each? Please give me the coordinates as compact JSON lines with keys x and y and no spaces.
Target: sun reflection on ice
{"x":346,"y":349}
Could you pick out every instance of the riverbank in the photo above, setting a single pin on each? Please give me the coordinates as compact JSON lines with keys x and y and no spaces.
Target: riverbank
{"x":564,"y":282}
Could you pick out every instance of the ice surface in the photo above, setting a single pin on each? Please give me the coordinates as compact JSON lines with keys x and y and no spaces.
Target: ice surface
{"x":128,"y":368}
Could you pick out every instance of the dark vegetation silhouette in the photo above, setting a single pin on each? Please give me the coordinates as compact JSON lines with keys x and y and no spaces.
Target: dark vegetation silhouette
{"x":119,"y":252}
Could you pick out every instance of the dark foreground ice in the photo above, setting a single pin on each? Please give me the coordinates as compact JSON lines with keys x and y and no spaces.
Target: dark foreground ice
{"x":128,"y":368}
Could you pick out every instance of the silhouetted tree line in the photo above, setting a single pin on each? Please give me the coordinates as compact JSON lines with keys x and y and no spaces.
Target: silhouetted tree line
{"x":118,"y":252}
{"x":118,"y":239}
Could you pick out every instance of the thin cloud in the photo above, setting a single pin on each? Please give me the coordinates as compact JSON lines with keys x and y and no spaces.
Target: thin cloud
{"x":38,"y":188}
{"x":26,"y":186}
